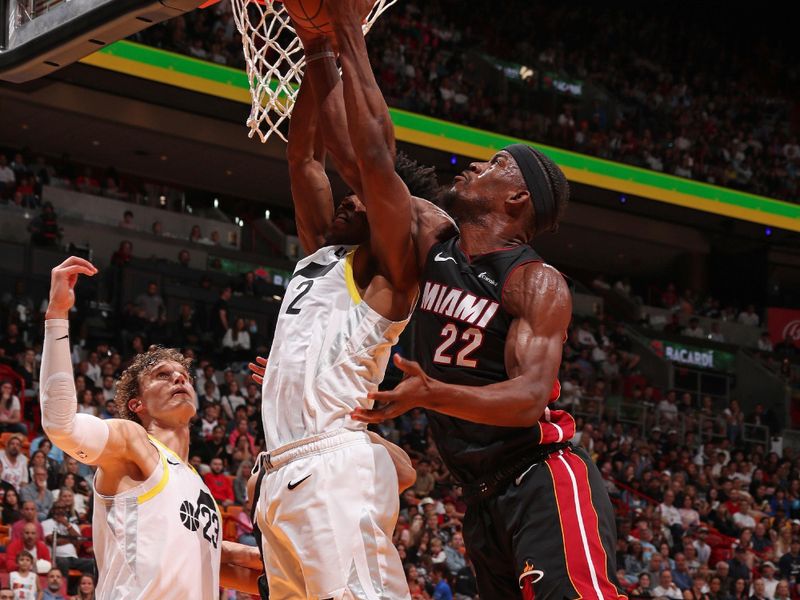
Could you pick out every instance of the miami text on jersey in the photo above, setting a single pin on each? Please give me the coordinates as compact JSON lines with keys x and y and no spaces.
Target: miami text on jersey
{"x":458,"y":304}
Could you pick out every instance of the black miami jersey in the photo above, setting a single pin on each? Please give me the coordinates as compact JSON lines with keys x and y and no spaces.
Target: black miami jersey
{"x":461,"y":326}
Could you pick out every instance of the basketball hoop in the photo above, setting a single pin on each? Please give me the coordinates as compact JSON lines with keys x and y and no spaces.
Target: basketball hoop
{"x":275,"y":61}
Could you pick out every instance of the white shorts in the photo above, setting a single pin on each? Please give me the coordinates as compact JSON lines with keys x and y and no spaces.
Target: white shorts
{"x":327,"y":510}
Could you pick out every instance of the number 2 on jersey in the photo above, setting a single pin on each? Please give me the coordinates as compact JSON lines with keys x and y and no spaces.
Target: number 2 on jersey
{"x":474,"y":338}
{"x":303,"y":288}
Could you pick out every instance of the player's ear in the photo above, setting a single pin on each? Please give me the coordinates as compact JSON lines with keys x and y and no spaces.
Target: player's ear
{"x":518,"y":199}
{"x":135,"y":405}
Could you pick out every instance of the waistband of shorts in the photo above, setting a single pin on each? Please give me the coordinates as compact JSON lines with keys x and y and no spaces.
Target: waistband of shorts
{"x":490,"y":485}
{"x":317,"y":444}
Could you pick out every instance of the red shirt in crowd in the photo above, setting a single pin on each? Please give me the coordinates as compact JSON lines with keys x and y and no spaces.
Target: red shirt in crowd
{"x":220,"y":486}
{"x":16,"y":546}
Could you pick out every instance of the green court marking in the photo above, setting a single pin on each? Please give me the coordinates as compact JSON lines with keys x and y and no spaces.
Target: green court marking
{"x":221,"y":74}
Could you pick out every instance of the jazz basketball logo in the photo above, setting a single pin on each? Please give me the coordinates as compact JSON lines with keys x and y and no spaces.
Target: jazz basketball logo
{"x":203,"y":514}
{"x":527,"y":578}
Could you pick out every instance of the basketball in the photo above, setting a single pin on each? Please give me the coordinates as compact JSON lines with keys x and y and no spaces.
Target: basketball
{"x":310,"y":15}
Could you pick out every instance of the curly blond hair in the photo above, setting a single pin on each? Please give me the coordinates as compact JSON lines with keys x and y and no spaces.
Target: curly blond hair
{"x":128,"y":386}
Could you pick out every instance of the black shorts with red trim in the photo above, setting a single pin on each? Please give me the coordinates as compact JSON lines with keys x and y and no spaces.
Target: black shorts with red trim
{"x":549,"y":535}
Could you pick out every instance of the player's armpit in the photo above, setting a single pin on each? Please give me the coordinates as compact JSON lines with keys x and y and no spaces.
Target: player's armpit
{"x":431,"y":225}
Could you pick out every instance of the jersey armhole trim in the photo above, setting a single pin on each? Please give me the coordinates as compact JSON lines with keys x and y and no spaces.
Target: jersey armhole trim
{"x":352,"y":288}
{"x":156,"y":489}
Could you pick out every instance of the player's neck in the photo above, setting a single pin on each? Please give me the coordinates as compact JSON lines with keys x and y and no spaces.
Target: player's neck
{"x":480,"y":238}
{"x":176,"y":438}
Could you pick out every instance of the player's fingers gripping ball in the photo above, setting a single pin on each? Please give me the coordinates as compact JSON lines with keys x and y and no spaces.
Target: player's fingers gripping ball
{"x":318,"y":16}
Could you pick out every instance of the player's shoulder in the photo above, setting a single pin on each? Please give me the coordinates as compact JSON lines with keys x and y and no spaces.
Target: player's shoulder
{"x":532,"y":283}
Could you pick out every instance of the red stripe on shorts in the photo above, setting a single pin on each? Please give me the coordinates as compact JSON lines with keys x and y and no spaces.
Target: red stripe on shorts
{"x":583,"y":548}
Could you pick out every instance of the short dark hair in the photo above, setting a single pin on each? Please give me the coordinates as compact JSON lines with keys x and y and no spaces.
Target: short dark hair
{"x":558,"y":185}
{"x":128,"y":386}
{"x":420,"y":180}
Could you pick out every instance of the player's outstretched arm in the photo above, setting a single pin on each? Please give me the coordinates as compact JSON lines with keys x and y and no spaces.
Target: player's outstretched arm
{"x":371,"y":132}
{"x":311,"y":189}
{"x":538,"y":296}
{"x":322,"y":72}
{"x":84,"y":437}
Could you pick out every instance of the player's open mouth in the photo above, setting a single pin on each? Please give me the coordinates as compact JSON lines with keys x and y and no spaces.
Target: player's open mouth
{"x":180,"y":391}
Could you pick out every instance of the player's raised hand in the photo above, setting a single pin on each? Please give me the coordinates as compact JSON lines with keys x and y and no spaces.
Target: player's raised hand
{"x":258,"y":370}
{"x":415,"y":389}
{"x":62,"y":285}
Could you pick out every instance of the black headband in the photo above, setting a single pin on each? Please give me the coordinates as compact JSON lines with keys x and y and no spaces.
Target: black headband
{"x":536,"y":180}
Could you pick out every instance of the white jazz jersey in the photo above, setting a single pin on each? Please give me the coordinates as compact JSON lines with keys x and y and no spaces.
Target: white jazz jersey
{"x":161,"y":539}
{"x":330,"y":351}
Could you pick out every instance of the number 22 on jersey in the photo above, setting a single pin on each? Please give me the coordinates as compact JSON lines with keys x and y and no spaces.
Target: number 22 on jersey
{"x":450,"y":334}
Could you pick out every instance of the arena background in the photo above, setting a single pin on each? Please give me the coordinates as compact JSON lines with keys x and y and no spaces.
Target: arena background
{"x":678,"y":130}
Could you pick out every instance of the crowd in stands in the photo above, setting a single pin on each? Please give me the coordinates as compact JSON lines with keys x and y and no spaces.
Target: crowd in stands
{"x":702,"y":510}
{"x":23,"y":175}
{"x":657,"y":91}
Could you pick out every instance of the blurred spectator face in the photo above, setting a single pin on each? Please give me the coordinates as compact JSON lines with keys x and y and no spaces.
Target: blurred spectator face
{"x":680,"y":562}
{"x":218,"y":434}
{"x":29,"y":511}
{"x":152,"y":289}
{"x":157,"y":228}
{"x":40,"y":477}
{"x":782,"y":589}
{"x":111,"y":408}
{"x":67,"y":498}
{"x":13,"y":446}
{"x":6,"y":594}
{"x":29,"y":535}
{"x":184,"y":258}
{"x":216,"y":466}
{"x":54,"y":579}
{"x":665,"y":578}
{"x":644,"y":581}
{"x":108,"y":382}
{"x":86,"y":585}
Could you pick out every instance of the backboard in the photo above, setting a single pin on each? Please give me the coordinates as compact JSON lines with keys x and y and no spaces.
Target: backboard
{"x":38,"y":37}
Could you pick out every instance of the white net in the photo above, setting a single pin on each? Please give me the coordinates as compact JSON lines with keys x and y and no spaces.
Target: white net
{"x":275,"y":61}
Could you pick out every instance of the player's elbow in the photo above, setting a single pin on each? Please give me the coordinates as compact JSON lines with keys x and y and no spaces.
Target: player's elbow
{"x":527,"y":417}
{"x":299,"y":160}
{"x":532,"y":407}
